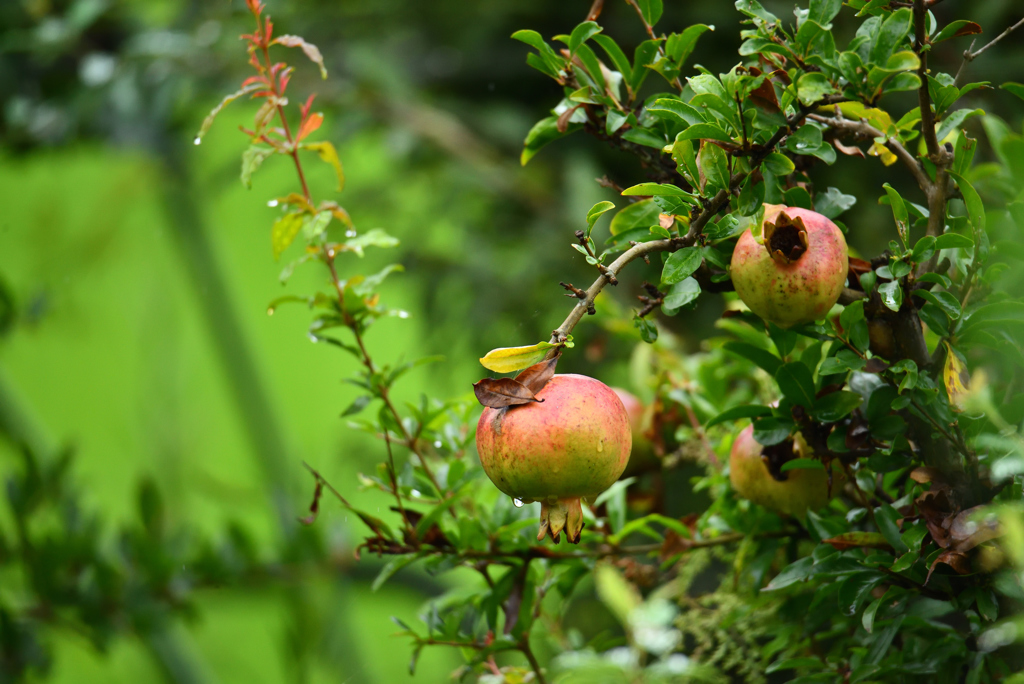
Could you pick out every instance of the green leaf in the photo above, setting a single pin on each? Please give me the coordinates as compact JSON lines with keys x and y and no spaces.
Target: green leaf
{"x":824,"y":11}
{"x":681,"y":265}
{"x":899,"y":212}
{"x":771,"y":431}
{"x":1015,"y":88}
{"x":944,"y":300}
{"x":793,"y":664}
{"x":679,"y":46}
{"x":813,"y":86}
{"x":796,"y":383}
{"x":953,"y":241}
{"x":886,"y":517}
{"x":389,"y":570}
{"x":714,"y":164}
{"x":802,"y":464}
{"x":891,"y":33}
{"x":765,"y":359}
{"x":595,"y":213}
{"x":791,"y":574}
{"x":955,"y":29}
{"x":208,"y":121}
{"x":675,"y":111}
{"x":835,"y":406}
{"x":371,"y":238}
{"x":284,"y":231}
{"x":892,"y":295}
{"x":637,"y":215}
{"x":642,"y":56}
{"x":679,"y":295}
{"x":511,"y":359}
{"x":651,"y":10}
{"x":251,"y":160}
{"x":315,"y":226}
{"x":745,"y":411}
{"x":543,"y":132}
{"x":648,"y":330}
{"x":952,"y":121}
{"x":704,"y":131}
{"x":779,"y":164}
{"x":615,"y":54}
{"x":656,"y":190}
{"x":832,"y":202}
{"x":975,"y":208}
{"x":581,"y":34}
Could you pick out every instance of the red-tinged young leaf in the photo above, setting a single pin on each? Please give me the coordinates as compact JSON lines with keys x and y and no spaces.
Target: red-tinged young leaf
{"x":310,"y":124}
{"x":312,"y":51}
{"x":304,"y":109}
{"x":536,"y":376}
{"x":502,"y":392}
{"x":849,"y":150}
{"x":851,"y":540}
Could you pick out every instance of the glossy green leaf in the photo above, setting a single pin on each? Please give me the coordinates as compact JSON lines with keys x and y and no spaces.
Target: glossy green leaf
{"x":681,"y":265}
{"x":796,"y":383}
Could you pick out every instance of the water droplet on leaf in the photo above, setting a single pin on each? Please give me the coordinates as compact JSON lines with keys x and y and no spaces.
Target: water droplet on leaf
{"x":270,"y":311}
{"x":518,"y":503}
{"x":197,"y":140}
{"x":437,"y":444}
{"x":272,"y":203}
{"x":350,"y":233}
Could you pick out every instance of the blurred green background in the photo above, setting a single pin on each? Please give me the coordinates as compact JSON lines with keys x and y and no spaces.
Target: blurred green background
{"x":136,"y":272}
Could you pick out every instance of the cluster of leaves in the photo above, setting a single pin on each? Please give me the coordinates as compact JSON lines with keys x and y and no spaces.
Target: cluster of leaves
{"x":904,"y":572}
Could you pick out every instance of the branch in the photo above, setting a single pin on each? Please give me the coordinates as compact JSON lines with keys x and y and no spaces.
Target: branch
{"x":864,"y":129}
{"x":923,"y":98}
{"x":970,"y":56}
{"x":711,"y":207}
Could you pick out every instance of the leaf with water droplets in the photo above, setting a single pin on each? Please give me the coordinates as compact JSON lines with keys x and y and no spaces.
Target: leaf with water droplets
{"x":251,"y":160}
{"x":228,"y":99}
{"x":502,"y":392}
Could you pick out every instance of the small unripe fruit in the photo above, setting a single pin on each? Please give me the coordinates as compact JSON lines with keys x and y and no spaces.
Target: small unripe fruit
{"x":802,"y":488}
{"x":797,"y":275}
{"x":642,"y":457}
{"x":573,"y":444}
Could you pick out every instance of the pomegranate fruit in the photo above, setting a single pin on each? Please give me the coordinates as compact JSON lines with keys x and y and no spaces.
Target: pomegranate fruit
{"x":573,"y":444}
{"x":799,"y":490}
{"x":799,"y":271}
{"x":642,"y":457}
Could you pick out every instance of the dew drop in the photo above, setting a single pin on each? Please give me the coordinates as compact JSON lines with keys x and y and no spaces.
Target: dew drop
{"x":518,"y":503}
{"x":272,"y":203}
{"x":350,"y":233}
{"x":600,"y":446}
{"x":313,"y":338}
{"x":270,"y":311}
{"x":197,"y":140}
{"x":437,"y":444}
{"x":403,"y":314}
{"x":416,"y":492}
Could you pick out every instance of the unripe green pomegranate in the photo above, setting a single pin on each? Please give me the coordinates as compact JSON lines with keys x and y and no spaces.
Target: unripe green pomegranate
{"x":802,"y":488}
{"x":573,"y":444}
{"x":799,"y":271}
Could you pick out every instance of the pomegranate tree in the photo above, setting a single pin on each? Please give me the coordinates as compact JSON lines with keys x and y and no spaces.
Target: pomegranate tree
{"x":754,"y":474}
{"x":797,"y":273}
{"x":573,"y":443}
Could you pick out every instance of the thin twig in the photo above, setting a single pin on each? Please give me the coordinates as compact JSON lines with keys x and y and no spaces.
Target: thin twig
{"x":970,"y":56}
{"x":864,"y":129}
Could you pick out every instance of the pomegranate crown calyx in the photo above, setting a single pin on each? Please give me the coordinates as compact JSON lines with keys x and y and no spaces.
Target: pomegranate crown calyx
{"x":785,"y":238}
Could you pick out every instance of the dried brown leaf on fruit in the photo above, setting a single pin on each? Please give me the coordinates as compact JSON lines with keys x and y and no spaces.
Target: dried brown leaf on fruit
{"x":502,"y":392}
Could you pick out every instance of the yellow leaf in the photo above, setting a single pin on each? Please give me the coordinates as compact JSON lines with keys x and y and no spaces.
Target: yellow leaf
{"x":956,"y":378}
{"x":330,"y":155}
{"x":511,"y":359}
{"x":881,"y":151}
{"x":878,"y":118}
